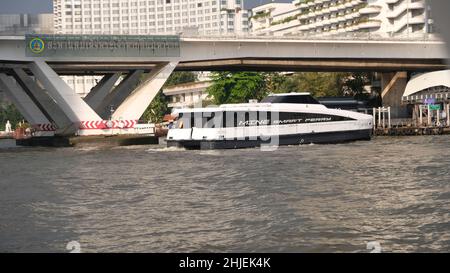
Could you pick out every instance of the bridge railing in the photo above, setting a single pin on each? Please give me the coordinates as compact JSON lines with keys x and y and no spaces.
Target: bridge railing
{"x":359,"y":36}
{"x":341,"y":36}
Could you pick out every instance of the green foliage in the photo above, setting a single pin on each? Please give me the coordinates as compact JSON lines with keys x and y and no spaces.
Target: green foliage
{"x":180,"y":77}
{"x":260,"y":14}
{"x":354,"y":83}
{"x":239,"y":87}
{"x":159,"y":106}
{"x":9,"y":112}
{"x":157,"y":109}
{"x":285,"y":20}
{"x":274,"y":82}
{"x":319,"y":84}
{"x":236,"y":87}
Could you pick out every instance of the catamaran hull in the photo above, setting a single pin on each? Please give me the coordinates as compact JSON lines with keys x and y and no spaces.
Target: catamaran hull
{"x":294,"y":139}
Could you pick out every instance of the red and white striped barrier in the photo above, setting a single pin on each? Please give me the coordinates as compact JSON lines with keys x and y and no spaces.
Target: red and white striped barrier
{"x":108,"y":124}
{"x":45,"y":127}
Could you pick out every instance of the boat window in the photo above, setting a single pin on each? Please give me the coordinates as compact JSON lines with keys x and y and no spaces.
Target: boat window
{"x":246,"y":119}
{"x":263,"y":118}
{"x":212,"y":119}
{"x":239,"y":119}
{"x":184,"y":121}
{"x":253,"y":118}
{"x":304,"y":99}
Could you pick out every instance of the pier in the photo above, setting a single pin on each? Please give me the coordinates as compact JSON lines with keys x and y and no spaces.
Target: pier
{"x":426,"y":120}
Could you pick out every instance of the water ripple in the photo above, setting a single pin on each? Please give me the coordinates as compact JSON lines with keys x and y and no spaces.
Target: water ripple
{"x":313,"y":198}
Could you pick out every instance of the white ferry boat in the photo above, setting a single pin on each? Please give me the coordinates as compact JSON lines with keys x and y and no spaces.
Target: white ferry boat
{"x":279,"y":119}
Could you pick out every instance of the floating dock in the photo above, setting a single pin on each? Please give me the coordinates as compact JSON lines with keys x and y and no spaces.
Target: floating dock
{"x":104,"y":141}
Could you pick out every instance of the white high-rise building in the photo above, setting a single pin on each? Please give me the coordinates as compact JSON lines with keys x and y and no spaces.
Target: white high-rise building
{"x":149,"y":16}
{"x":325,"y":17}
{"x":146,"y":17}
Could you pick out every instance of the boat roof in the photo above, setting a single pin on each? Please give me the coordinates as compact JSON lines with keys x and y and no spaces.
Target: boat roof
{"x":291,"y":94}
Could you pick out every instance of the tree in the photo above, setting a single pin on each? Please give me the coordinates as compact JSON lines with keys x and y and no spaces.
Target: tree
{"x":275,"y":82}
{"x":354,"y":84}
{"x":157,"y":109}
{"x":159,"y":106}
{"x":9,"y":112}
{"x":236,"y":87}
{"x":319,"y":84}
{"x":180,"y":77}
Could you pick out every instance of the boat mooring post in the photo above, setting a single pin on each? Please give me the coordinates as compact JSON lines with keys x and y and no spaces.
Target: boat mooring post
{"x":429,"y":116}
{"x":438,"y":117}
{"x":448,"y":114}
{"x":389,"y":117}
{"x":379,"y":117}
{"x":420,"y":115}
{"x":374,"y":114}
{"x":415,"y":115}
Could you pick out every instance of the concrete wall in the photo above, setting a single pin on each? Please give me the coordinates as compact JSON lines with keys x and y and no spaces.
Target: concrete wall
{"x":393,"y":86}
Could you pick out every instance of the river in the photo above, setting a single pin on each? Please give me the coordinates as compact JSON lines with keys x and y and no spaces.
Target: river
{"x":312,"y":198}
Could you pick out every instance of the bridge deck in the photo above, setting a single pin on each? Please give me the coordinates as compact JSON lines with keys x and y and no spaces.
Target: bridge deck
{"x":251,"y":53}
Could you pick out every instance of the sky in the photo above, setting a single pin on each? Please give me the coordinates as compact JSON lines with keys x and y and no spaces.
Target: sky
{"x":45,"y":6}
{"x":26,"y":6}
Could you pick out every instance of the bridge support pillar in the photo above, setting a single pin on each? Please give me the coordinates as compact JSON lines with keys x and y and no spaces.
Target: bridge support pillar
{"x":101,"y":90}
{"x":22,"y":101}
{"x":393,"y":86}
{"x":44,"y":102}
{"x":118,"y":95}
{"x":73,"y":106}
{"x":137,"y":102}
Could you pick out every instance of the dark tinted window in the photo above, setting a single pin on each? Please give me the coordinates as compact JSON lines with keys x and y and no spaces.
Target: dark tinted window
{"x":305,"y":99}
{"x":245,"y":119}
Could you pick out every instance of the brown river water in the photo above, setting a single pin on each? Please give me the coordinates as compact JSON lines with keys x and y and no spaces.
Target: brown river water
{"x":312,"y":198}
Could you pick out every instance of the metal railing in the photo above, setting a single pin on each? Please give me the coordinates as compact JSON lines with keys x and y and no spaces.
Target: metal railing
{"x":349,"y":36}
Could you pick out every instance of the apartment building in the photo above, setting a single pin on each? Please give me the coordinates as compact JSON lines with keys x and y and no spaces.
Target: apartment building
{"x":150,"y":16}
{"x":187,"y":95}
{"x":328,"y":17}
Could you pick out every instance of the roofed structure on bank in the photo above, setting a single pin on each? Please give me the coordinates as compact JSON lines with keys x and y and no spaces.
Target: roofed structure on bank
{"x":428,"y":86}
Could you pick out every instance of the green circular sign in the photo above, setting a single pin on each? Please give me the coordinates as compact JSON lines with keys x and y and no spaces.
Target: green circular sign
{"x":37,"y":45}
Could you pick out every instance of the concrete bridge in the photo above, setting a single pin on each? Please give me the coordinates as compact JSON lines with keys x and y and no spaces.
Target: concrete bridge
{"x":36,"y":62}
